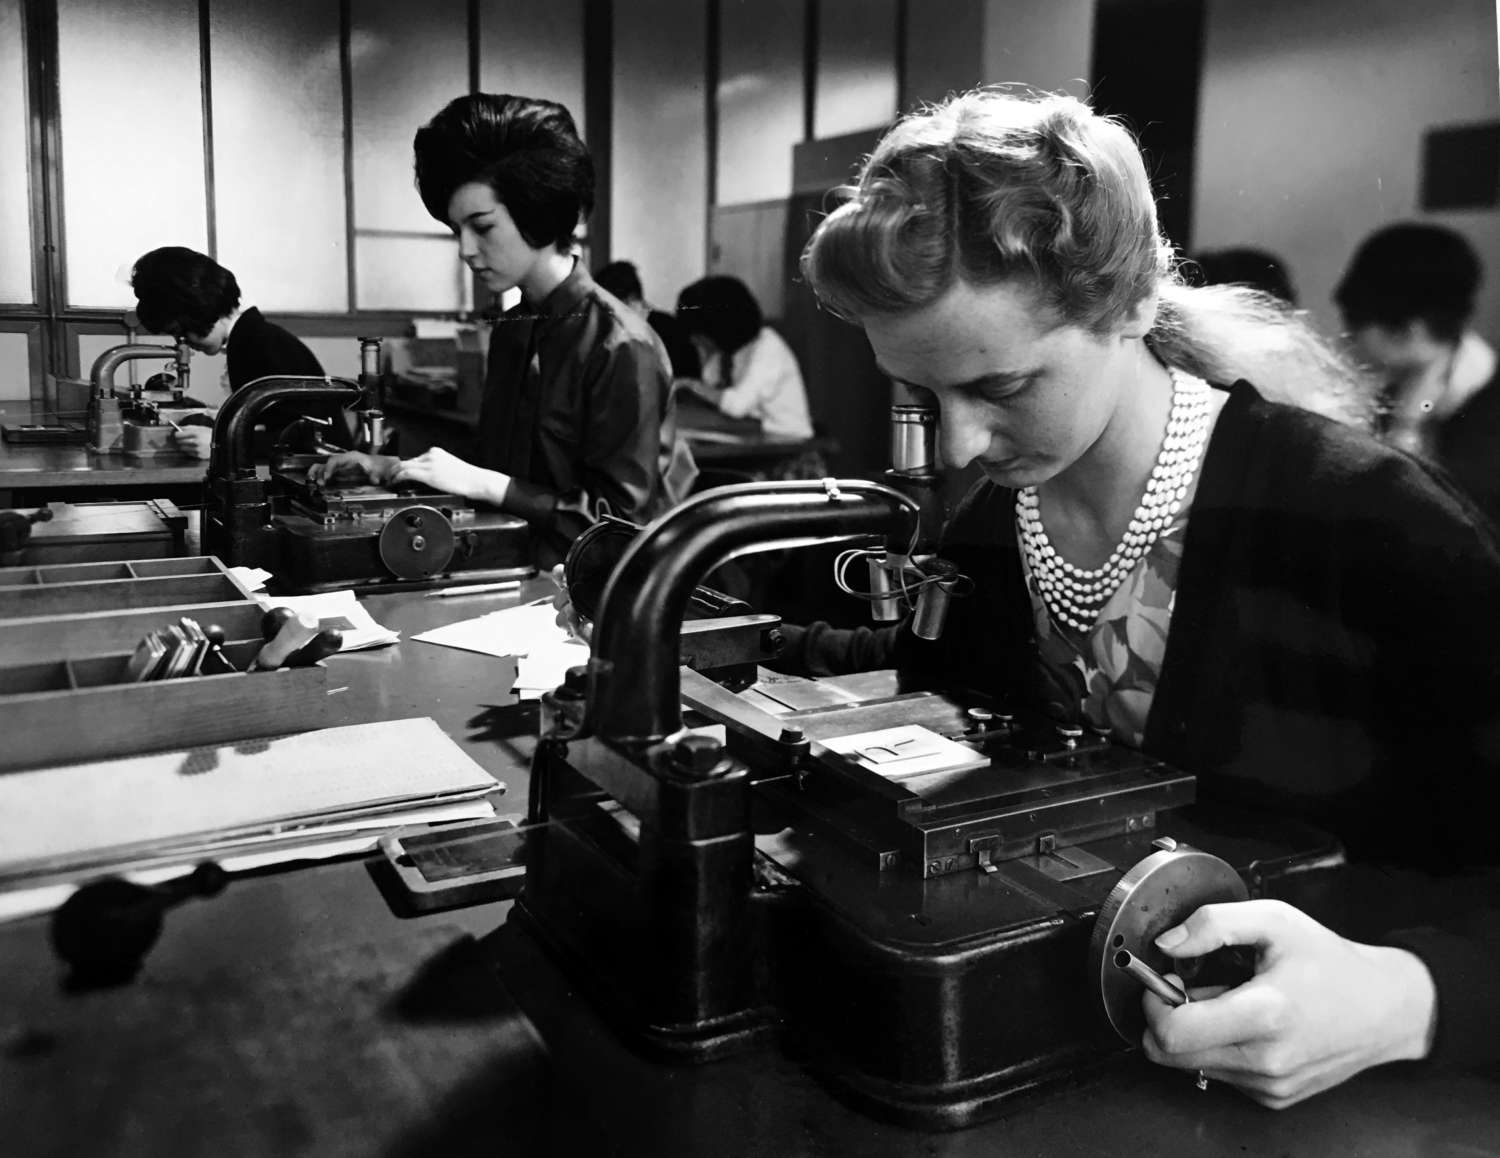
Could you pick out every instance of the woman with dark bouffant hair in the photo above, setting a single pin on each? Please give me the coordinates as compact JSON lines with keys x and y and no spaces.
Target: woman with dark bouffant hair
{"x":189,"y":295}
{"x":577,"y":417}
{"x":1168,"y":545}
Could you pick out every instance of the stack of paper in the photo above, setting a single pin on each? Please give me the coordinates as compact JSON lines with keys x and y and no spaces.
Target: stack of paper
{"x":315,"y":794}
{"x":544,"y":650}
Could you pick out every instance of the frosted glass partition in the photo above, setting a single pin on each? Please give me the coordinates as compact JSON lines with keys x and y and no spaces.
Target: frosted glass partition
{"x":660,"y":152}
{"x":410,"y":273}
{"x":404,"y":71}
{"x":132,"y":138}
{"x":856,"y":83}
{"x":337,"y":356}
{"x":760,"y":99}
{"x":279,"y":152}
{"x":15,"y":368}
{"x":15,"y":210}
{"x":536,"y":50}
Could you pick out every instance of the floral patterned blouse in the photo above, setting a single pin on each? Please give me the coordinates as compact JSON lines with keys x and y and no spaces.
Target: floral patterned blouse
{"x":1107,"y":678}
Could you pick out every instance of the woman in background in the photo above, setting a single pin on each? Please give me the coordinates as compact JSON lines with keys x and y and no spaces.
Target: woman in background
{"x":189,"y":295}
{"x":577,"y":417}
{"x":748,"y":370}
{"x":1408,"y":303}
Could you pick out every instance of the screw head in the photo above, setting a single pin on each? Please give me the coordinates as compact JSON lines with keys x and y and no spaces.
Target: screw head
{"x":697,"y":755}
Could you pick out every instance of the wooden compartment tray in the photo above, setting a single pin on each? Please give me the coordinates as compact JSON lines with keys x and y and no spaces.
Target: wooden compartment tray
{"x":88,"y":609}
{"x":63,"y":711}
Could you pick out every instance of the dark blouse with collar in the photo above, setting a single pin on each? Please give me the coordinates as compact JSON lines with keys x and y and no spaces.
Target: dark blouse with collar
{"x":578,"y":411}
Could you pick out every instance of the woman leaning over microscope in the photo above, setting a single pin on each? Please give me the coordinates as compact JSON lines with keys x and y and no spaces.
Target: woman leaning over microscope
{"x":577,"y":417}
{"x":1170,"y":544}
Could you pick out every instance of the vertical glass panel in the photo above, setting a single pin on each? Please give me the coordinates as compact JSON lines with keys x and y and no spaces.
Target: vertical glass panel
{"x":132,"y":139}
{"x":337,"y":356}
{"x":407,"y":63}
{"x":15,"y":207}
{"x":536,"y":50}
{"x":760,"y":98}
{"x":15,"y":368}
{"x":856,"y":86}
{"x":411,"y":273}
{"x":278,"y":139}
{"x":658,"y":201}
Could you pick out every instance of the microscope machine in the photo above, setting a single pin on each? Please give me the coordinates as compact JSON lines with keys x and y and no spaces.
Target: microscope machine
{"x":932,"y":943}
{"x":316,"y":537}
{"x":137,"y":419}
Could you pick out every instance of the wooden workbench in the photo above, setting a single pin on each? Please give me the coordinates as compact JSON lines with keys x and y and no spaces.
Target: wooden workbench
{"x":296,"y":1014}
{"x":33,"y":473}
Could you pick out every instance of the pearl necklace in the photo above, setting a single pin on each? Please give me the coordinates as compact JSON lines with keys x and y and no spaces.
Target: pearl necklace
{"x":1075,"y":596}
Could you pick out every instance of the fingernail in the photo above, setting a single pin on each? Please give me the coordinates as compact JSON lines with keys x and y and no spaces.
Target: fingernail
{"x":1172,"y":938}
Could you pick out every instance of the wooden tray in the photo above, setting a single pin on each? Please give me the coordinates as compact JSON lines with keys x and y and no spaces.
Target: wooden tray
{"x":62,"y":711}
{"x":83,"y":609}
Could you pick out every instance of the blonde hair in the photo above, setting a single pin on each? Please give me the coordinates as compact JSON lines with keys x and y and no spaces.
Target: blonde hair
{"x":999,"y":185}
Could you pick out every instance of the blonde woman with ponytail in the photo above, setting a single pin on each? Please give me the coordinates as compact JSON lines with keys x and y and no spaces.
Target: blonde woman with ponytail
{"x":1183,"y":537}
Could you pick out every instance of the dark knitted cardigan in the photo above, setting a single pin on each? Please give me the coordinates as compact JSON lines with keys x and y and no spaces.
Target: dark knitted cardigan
{"x":1334,"y":655}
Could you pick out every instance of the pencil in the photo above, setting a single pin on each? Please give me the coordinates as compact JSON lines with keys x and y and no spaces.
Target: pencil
{"x":475,"y":589}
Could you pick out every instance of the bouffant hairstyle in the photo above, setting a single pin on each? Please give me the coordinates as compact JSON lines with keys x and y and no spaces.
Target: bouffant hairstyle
{"x":527,"y":150}
{"x":181,"y":291}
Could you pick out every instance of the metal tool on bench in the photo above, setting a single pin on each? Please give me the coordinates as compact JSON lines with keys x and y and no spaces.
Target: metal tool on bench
{"x":293,"y":640}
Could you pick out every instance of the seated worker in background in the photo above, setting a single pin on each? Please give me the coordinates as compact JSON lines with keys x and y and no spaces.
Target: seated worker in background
{"x":748,"y":370}
{"x":1242,"y":265}
{"x":1166,"y":547}
{"x":1407,"y":299}
{"x":623,"y":280}
{"x":188,"y":295}
{"x":577,"y":418}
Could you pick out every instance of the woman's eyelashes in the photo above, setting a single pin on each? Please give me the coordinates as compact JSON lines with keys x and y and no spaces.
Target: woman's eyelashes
{"x":1003,"y":391}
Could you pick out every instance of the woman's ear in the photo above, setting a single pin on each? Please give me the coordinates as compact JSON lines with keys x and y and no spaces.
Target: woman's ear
{"x":1139,"y":319}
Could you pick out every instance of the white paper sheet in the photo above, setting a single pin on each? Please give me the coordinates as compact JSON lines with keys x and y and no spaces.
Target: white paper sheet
{"x":341,"y":609}
{"x":513,"y":631}
{"x":908,"y":750}
{"x":545,"y":666}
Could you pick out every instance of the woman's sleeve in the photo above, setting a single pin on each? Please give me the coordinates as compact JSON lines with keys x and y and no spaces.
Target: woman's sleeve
{"x":756,"y":382}
{"x":821,"y":650}
{"x":622,"y":439}
{"x":619,"y":456}
{"x":1441,"y":583}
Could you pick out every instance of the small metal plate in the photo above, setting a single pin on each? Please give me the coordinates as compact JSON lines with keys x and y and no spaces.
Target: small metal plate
{"x":416,"y":543}
{"x":1160,"y":891}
